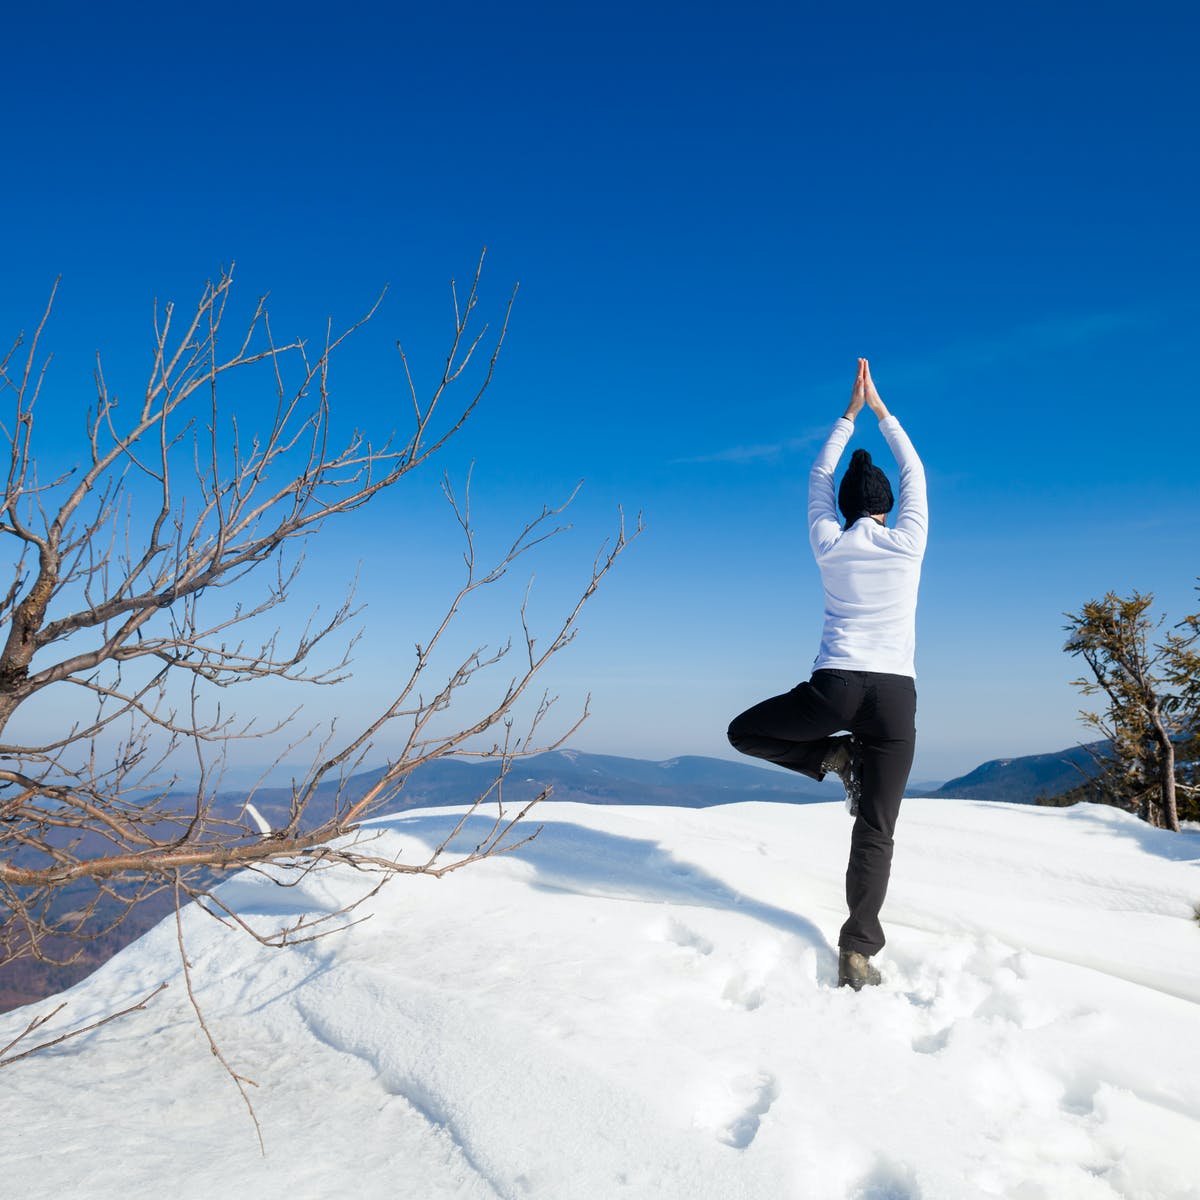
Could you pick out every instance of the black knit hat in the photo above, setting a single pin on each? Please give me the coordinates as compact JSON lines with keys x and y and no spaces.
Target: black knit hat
{"x":864,"y":490}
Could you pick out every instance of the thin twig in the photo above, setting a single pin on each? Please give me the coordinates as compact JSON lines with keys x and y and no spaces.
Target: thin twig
{"x":239,"y":1081}
{"x":38,"y":1022}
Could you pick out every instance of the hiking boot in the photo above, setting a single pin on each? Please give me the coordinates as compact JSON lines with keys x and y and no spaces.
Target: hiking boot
{"x":842,"y":759}
{"x":855,"y":970}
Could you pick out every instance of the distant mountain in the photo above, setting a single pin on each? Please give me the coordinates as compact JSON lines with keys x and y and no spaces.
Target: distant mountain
{"x":690,"y":781}
{"x":1025,"y":780}
{"x":687,"y":782}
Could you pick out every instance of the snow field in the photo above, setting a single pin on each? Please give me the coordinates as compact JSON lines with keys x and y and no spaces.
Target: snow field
{"x":642,"y":1004}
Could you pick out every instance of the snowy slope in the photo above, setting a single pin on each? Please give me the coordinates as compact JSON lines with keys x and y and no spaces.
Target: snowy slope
{"x":641,"y":1005}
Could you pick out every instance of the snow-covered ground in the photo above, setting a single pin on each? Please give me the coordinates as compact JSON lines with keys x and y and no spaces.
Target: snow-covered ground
{"x":642,"y":1004}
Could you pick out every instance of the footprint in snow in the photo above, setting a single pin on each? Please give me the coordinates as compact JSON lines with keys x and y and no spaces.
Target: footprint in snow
{"x":887,"y":1180}
{"x":741,"y":992}
{"x":678,"y":934}
{"x":971,"y":982}
{"x":933,"y":1043}
{"x":754,"y":1095}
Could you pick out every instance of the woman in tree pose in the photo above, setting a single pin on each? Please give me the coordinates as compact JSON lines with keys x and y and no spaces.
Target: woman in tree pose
{"x":863,"y":676}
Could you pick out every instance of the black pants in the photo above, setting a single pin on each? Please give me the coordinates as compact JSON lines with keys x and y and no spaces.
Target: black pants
{"x":794,"y":730}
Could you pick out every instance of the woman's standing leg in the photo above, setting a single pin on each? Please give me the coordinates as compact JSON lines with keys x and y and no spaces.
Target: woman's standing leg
{"x":886,"y":733}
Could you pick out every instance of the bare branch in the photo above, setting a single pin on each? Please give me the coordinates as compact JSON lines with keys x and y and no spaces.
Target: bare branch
{"x":148,"y":580}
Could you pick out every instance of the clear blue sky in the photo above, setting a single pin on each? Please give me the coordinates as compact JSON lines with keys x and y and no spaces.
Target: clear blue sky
{"x":711,"y":213}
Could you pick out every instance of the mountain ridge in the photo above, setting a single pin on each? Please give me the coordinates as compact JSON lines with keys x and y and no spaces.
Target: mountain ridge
{"x":1027,"y":778}
{"x":684,"y":781}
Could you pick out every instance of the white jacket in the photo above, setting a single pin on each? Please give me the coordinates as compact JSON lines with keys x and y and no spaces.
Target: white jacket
{"x":870,"y":573}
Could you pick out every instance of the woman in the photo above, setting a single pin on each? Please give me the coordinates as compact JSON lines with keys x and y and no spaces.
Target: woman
{"x":863,"y":676}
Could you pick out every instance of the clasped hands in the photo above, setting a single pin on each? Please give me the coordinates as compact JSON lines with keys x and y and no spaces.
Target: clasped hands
{"x":865,"y":393}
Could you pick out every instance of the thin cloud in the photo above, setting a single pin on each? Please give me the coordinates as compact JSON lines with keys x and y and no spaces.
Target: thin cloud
{"x":759,"y":452}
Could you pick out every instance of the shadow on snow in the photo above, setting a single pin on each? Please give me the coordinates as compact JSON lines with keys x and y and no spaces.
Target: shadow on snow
{"x":589,"y":862}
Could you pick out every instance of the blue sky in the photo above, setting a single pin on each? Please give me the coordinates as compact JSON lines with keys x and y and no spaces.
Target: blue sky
{"x":711,"y":212}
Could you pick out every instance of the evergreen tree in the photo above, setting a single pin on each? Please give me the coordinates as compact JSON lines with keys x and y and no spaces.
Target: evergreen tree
{"x":1152,"y":713}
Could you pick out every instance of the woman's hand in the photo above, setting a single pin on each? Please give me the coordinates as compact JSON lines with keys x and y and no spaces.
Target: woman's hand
{"x":876,"y":405}
{"x":858,"y":396}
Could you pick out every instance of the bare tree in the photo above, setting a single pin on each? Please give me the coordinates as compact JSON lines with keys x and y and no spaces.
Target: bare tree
{"x":1152,"y":715}
{"x":141,"y":581}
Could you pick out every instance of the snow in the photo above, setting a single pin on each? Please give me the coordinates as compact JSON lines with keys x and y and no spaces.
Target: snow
{"x":642,"y":1004}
